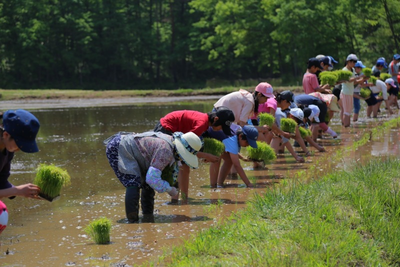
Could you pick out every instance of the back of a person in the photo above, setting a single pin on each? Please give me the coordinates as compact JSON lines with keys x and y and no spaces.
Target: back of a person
{"x":237,"y":102}
{"x":186,"y":121}
{"x":310,"y":82}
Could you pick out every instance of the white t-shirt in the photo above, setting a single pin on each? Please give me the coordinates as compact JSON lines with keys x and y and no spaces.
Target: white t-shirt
{"x":348,"y":88}
{"x":380,"y":87}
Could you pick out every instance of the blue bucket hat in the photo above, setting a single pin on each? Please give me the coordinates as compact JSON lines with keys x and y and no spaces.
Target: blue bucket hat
{"x":23,"y":127}
{"x":359,"y":64}
{"x":251,"y":134}
{"x":381,"y":62}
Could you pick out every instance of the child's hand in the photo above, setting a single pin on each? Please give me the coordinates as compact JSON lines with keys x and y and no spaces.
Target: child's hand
{"x":300,"y":159}
{"x":286,"y":135}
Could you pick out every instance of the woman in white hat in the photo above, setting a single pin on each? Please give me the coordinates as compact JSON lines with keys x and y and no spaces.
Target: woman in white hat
{"x":139,"y":159}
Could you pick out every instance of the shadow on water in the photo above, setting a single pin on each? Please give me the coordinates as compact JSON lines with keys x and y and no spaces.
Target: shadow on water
{"x":72,"y":139}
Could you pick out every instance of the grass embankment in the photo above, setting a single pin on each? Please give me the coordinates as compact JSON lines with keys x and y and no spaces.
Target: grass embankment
{"x":344,"y":218}
{"x":14,"y":94}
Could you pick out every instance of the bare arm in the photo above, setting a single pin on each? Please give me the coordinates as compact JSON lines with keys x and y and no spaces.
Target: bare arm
{"x":239,"y":169}
{"x":25,"y":190}
{"x":208,"y":157}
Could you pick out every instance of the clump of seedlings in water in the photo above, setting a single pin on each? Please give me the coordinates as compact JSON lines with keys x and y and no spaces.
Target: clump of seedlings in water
{"x":167,"y":174}
{"x":288,"y":125}
{"x":263,"y":152}
{"x":304,"y":132}
{"x":213,"y":146}
{"x":328,"y":77}
{"x":365,"y":93}
{"x":99,"y":230}
{"x":50,"y":180}
{"x":385,"y":76}
{"x":367,"y":72}
{"x":372,"y":80}
{"x":266,"y":119}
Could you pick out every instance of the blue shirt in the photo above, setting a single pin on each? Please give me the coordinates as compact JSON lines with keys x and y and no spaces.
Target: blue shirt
{"x":232,"y":145}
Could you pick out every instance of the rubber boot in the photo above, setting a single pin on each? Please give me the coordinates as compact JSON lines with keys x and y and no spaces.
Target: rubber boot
{"x":132,"y":195}
{"x":147,"y":200}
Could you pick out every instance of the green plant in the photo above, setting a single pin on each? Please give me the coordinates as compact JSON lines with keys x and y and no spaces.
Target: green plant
{"x":365,"y":93}
{"x":372,"y":80}
{"x":343,"y":75}
{"x":51,"y":179}
{"x":99,"y":230}
{"x":167,"y":174}
{"x":263,"y":152}
{"x":328,"y":77}
{"x":304,"y":132}
{"x":288,"y":125}
{"x":367,"y":72}
{"x":266,"y":119}
{"x":385,"y":76}
{"x":213,"y":146}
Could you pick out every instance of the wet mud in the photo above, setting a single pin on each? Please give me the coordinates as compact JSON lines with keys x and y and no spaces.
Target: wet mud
{"x":51,"y":234}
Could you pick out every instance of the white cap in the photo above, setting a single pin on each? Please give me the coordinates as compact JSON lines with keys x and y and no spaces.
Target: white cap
{"x":391,"y":82}
{"x":298,"y":113}
{"x":352,"y":57}
{"x":314,"y":113}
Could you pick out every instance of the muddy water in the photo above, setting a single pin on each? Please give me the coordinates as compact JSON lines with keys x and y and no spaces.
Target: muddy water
{"x":41,"y":233}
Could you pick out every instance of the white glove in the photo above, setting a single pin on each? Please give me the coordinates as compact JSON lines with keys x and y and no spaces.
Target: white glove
{"x":173,"y":191}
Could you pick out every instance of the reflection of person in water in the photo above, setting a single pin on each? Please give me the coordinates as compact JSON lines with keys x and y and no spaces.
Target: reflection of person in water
{"x":139,"y":159}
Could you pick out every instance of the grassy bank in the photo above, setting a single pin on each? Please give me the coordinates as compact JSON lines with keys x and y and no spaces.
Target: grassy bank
{"x":344,"y":218}
{"x":54,"y":93}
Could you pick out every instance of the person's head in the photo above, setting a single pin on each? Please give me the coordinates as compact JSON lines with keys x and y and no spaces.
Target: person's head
{"x":186,"y":146}
{"x":359,"y":66}
{"x":19,"y":131}
{"x":222,"y":119}
{"x":380,"y":64}
{"x":314,"y":115}
{"x":396,"y":58}
{"x":261,"y":94}
{"x":333,"y":61}
{"x":390,"y":82}
{"x":284,"y":99}
{"x":247,"y":136}
{"x":326,"y":63}
{"x":351,"y":61}
{"x":313,"y":65}
{"x":296,"y":114}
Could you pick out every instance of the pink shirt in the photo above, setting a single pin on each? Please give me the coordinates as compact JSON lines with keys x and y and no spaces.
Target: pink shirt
{"x":310,"y":83}
{"x":266,"y":107}
{"x":241,"y":103}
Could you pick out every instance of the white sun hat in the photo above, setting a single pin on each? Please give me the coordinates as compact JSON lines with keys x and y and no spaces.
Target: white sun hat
{"x":187,"y":145}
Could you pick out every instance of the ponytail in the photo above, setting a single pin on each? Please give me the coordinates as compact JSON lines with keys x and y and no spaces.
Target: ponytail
{"x":256,"y":104}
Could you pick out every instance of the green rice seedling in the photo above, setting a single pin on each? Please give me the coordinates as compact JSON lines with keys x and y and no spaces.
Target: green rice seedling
{"x":365,"y":92}
{"x":372,"y":80}
{"x":343,"y":75}
{"x":263,"y":152}
{"x":266,"y":119}
{"x":328,"y":77}
{"x":367,"y":72}
{"x":385,"y":76}
{"x":213,"y":146}
{"x":51,"y":179}
{"x":167,"y":174}
{"x":288,"y":125}
{"x":99,"y":230}
{"x":304,"y":132}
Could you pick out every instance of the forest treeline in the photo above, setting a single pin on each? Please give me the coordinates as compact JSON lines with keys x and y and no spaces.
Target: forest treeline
{"x":117,"y":44}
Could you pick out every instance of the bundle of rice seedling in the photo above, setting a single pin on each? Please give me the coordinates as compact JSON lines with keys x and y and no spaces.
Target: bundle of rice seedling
{"x":372,"y":80}
{"x":263,"y":152}
{"x":385,"y":76}
{"x":288,"y":125}
{"x":167,"y":174}
{"x":304,"y":132}
{"x":99,"y":230}
{"x":213,"y":146}
{"x":328,"y":77}
{"x":51,"y":179}
{"x":365,"y":92}
{"x":266,"y":119}
{"x":367,"y":72}
{"x":343,"y":75}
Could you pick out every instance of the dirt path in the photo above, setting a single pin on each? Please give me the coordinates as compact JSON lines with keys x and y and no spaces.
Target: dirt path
{"x":94,"y":102}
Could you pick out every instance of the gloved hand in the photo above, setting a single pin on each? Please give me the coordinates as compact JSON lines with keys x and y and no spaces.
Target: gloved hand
{"x":173,"y":191}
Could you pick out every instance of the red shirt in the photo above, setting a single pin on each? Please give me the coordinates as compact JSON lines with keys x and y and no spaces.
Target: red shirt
{"x":310,"y":83}
{"x":186,"y":121}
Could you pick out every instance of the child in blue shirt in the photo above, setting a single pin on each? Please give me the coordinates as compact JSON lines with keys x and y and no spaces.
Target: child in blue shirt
{"x":246,"y":136}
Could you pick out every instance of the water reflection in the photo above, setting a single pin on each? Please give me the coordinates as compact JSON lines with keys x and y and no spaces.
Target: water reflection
{"x":72,"y":138}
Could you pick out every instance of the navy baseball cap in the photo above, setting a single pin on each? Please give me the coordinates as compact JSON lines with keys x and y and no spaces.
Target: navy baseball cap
{"x":396,"y":57}
{"x":251,"y":134}
{"x":225,"y":118}
{"x":314,"y":62}
{"x":23,"y":127}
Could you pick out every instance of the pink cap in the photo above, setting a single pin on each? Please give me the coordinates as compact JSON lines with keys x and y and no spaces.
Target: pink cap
{"x":265,"y":89}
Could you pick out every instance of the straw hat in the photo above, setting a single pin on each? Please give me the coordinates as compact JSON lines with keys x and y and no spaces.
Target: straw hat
{"x":187,"y":145}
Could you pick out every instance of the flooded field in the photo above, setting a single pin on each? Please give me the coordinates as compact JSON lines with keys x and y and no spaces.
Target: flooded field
{"x":41,"y":233}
